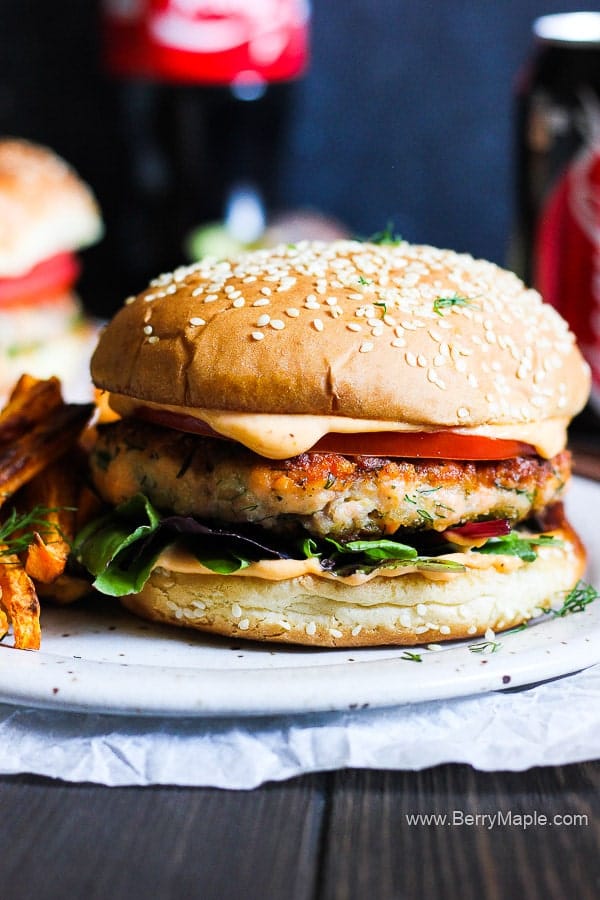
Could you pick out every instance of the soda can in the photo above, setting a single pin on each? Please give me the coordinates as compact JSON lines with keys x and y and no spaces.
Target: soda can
{"x":228,"y":41}
{"x":557,"y":236}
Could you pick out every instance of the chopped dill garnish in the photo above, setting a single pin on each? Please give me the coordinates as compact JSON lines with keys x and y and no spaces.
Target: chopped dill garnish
{"x":441,"y":303}
{"x":412,"y":657}
{"x":386,"y":236}
{"x":485,"y":647}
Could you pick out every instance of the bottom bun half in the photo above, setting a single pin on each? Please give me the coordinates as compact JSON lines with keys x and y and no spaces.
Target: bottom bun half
{"x":405,"y":610}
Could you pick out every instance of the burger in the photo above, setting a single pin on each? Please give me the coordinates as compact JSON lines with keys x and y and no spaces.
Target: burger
{"x":46,"y":213}
{"x":336,"y":444}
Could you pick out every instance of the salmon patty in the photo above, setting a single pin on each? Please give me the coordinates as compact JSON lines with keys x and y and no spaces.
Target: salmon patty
{"x":324,"y":494}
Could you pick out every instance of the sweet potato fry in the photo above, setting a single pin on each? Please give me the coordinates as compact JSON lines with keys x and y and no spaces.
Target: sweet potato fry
{"x":46,"y":561}
{"x":66,"y":589}
{"x":33,"y":451}
{"x":3,"y":624}
{"x":30,"y":401}
{"x":55,"y":490}
{"x":19,"y":602}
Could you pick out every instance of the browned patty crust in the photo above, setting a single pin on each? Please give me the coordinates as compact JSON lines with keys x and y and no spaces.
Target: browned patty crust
{"x":324,"y":493}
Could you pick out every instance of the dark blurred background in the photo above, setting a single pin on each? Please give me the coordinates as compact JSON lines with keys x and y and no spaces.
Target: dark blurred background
{"x":405,"y":115}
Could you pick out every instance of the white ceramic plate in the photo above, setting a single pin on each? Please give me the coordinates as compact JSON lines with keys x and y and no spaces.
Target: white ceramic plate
{"x":98,"y":658}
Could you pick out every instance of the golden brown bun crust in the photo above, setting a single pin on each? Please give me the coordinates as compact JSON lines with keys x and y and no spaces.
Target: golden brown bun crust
{"x":400,"y":332}
{"x":407,"y":610}
{"x":44,"y":207}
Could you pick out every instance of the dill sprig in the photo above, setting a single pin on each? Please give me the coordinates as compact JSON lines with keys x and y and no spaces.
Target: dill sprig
{"x":18,"y":530}
{"x":578,"y":599}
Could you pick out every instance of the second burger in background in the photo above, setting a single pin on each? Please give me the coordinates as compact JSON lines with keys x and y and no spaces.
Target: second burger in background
{"x":46,"y":214}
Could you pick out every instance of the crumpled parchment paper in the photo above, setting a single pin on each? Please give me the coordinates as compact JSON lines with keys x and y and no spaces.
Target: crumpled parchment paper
{"x":550,"y":724}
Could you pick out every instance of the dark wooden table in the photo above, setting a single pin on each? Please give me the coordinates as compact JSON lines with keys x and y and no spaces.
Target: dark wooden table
{"x":336,"y":835}
{"x":330,"y":836}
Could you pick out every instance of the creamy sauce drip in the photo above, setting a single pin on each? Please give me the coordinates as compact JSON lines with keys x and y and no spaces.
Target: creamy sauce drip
{"x":175,"y":559}
{"x":282,"y":436}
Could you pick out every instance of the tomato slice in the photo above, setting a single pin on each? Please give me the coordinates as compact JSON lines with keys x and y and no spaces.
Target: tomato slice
{"x":50,"y":277}
{"x":423,"y":444}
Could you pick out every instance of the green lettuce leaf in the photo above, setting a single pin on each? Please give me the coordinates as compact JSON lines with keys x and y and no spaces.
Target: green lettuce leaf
{"x":101,"y":547}
{"x":516,"y":544}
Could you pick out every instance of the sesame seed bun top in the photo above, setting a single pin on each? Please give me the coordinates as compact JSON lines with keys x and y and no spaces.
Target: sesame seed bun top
{"x":398,"y":332}
{"x":45,"y":208}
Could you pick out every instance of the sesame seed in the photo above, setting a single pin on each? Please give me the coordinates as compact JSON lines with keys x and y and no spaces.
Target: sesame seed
{"x":421,"y":361}
{"x":317,"y":324}
{"x":331,"y":301}
{"x":366,"y":347}
{"x":462,"y":412}
{"x":263,"y":320}
{"x":257,"y":335}
{"x":472,"y":629}
{"x":421,"y":609}
{"x":311,"y":628}
{"x":264,"y":302}
{"x":210,"y":298}
{"x":153,"y":339}
{"x":398,"y":342}
{"x":292,"y":312}
{"x":238,"y":302}
{"x":336,"y":633}
{"x":410,"y":358}
{"x":444,"y":629}
{"x":244,"y":624}
{"x":229,"y":289}
{"x":434,"y":378}
{"x":266,"y":291}
{"x":129,"y":301}
{"x":354,"y":326}
{"x":147,"y":329}
{"x":286,"y":284}
{"x":286,"y":626}
{"x":356,"y":630}
{"x":196,"y":320}
{"x":277,"y":324}
{"x":421,"y":629}
{"x":236,"y":611}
